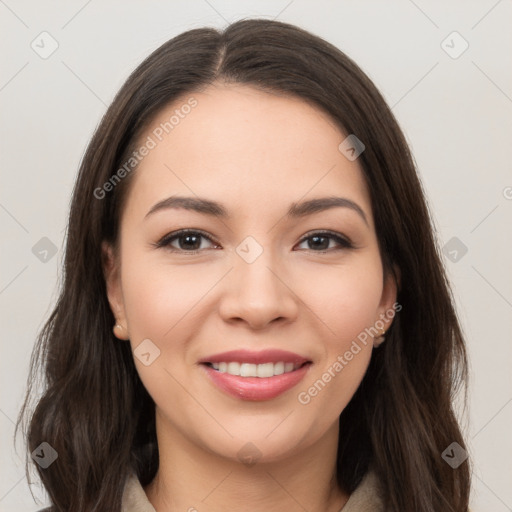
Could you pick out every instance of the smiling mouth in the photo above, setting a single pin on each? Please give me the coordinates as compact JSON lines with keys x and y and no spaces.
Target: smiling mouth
{"x":255,"y":375}
{"x":263,"y":370}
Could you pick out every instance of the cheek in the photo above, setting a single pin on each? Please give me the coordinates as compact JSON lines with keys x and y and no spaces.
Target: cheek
{"x":345,"y":298}
{"x":159,"y":305}
{"x":159,"y":298}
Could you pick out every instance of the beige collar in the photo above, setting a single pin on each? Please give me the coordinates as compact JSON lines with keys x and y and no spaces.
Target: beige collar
{"x":366,"y":498}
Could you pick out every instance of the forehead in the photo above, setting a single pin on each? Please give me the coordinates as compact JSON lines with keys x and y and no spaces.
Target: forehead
{"x":246,"y":148}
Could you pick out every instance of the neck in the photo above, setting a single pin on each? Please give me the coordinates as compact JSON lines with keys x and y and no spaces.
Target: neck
{"x":195,"y":480}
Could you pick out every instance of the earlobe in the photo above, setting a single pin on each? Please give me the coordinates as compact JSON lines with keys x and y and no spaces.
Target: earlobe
{"x":114,"y":292}
{"x":120,"y":332}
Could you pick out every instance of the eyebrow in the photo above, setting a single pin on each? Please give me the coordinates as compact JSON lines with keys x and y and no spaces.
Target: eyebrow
{"x":215,"y":209}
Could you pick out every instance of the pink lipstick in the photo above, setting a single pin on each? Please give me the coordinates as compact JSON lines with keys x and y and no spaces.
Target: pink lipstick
{"x":261,"y":375}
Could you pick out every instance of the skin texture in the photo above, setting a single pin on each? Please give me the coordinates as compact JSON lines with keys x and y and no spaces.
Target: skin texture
{"x":256,"y":153}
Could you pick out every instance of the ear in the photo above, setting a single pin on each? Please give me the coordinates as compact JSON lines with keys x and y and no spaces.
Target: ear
{"x":111,"y":273}
{"x":388,"y":305}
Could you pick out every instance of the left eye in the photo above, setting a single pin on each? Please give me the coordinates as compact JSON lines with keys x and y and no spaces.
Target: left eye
{"x":190,"y":241}
{"x":321,"y":240}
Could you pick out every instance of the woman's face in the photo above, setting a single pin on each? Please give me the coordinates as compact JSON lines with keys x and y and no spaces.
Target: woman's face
{"x":261,"y":278}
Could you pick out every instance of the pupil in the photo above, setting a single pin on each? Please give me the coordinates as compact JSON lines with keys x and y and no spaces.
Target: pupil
{"x":187,"y":238}
{"x":316,"y":238}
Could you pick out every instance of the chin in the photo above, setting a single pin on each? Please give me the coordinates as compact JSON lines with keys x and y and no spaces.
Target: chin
{"x":256,"y":445}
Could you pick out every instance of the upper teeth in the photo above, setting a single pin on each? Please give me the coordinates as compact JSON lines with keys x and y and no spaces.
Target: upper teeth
{"x":255,"y":370}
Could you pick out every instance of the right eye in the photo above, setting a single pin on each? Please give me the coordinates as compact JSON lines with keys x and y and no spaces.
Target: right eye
{"x":186,"y":241}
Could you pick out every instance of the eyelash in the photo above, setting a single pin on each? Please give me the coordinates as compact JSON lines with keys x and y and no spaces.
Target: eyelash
{"x":167,"y":239}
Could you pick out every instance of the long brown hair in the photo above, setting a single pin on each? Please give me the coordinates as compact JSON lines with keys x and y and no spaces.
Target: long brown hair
{"x":94,"y":410}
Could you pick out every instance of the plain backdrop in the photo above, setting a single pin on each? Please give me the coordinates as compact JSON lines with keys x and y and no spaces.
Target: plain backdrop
{"x":451,"y":93}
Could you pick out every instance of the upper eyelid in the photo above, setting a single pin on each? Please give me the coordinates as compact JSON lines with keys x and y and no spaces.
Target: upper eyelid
{"x":175,"y":234}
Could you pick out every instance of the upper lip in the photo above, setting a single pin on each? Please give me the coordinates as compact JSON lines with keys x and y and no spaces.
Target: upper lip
{"x":260,"y":357}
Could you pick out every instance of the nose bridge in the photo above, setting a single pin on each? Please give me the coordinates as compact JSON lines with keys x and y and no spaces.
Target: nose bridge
{"x":257,"y":292}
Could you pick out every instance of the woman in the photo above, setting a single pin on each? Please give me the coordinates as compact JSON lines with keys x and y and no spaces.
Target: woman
{"x":254,"y":312}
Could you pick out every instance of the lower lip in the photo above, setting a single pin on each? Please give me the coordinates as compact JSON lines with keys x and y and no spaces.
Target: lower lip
{"x":256,"y":388}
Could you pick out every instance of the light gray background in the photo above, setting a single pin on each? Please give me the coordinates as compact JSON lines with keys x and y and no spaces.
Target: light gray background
{"x":456,"y":113}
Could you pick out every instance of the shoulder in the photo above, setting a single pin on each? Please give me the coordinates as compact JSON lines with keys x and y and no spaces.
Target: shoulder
{"x":367,"y":497}
{"x":134,"y":497}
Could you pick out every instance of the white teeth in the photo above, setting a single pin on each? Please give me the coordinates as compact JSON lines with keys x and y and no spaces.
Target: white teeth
{"x":248,"y":370}
{"x":265,"y":370}
{"x":255,"y":370}
{"x":233,"y":368}
{"x":278,"y":368}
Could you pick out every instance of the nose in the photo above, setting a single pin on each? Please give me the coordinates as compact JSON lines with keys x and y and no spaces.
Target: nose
{"x":258,"y":294}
